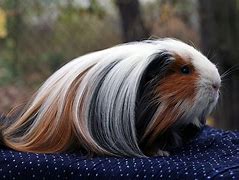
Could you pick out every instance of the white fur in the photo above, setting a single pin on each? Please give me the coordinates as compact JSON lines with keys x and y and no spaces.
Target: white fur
{"x":117,"y":90}
{"x":206,"y":97}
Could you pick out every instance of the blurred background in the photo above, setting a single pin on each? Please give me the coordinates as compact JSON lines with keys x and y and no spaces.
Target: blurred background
{"x":39,"y":36}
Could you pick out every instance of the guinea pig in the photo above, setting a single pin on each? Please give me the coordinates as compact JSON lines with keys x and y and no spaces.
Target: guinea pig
{"x":134,"y":99}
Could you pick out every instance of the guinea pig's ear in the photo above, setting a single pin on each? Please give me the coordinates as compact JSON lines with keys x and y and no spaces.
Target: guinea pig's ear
{"x":145,"y":108}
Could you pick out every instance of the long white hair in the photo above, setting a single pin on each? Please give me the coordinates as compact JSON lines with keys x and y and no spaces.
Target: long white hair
{"x":98,"y":102}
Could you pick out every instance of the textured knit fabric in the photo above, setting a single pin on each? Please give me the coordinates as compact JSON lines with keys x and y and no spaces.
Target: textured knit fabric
{"x":212,"y":154}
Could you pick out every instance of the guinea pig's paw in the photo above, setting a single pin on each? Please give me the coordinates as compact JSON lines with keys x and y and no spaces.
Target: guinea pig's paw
{"x":162,"y":153}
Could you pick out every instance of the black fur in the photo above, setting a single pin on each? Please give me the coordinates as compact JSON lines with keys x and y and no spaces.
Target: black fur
{"x":176,"y":135}
{"x":145,"y":108}
{"x":172,"y":138}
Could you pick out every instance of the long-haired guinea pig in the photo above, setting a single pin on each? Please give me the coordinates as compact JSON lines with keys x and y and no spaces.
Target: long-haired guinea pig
{"x":134,"y":99}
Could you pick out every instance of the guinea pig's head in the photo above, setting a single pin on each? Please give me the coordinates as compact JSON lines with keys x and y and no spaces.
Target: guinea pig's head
{"x":180,"y":87}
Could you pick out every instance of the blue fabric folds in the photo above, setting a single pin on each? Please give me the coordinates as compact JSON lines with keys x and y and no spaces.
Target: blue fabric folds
{"x":212,"y":154}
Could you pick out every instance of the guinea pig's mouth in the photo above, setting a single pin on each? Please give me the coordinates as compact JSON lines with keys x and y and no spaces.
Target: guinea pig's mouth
{"x":212,"y":101}
{"x":207,"y":104}
{"x":206,"y":111}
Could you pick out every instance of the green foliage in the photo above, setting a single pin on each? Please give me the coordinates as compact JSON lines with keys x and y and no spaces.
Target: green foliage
{"x":44,"y":35}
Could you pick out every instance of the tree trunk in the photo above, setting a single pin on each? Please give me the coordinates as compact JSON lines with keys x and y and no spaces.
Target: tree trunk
{"x":220,"y":38}
{"x":132,"y":24}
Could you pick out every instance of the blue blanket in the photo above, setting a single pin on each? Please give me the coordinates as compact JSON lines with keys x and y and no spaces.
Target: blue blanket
{"x":212,"y":154}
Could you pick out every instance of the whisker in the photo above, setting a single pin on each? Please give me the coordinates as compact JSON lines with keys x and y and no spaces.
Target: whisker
{"x":208,"y":52}
{"x":230,"y":71}
{"x":193,"y":44}
{"x":213,"y":56}
{"x":226,"y":79}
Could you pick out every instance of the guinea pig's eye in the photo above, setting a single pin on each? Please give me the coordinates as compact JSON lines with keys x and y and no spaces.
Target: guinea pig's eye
{"x":185,"y":70}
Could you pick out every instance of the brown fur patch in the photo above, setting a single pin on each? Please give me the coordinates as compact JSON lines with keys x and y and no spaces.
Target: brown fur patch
{"x":50,"y":135}
{"x":173,"y":88}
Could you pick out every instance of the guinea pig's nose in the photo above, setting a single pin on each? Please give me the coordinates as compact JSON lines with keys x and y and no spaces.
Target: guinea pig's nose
{"x":216,"y":86}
